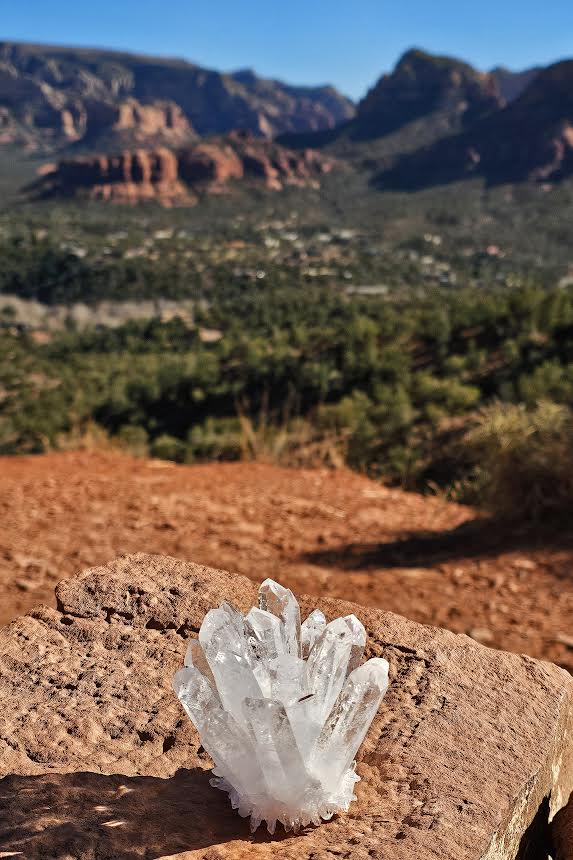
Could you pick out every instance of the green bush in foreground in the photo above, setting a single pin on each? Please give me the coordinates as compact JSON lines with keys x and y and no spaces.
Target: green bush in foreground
{"x":525,"y":459}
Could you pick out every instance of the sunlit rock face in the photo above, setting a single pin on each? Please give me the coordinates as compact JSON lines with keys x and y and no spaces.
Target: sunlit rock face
{"x":280,"y":707}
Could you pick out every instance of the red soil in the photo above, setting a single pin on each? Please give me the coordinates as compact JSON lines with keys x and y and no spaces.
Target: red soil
{"x":318,"y":531}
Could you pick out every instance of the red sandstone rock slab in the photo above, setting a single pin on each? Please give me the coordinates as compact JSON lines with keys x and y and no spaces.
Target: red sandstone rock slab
{"x":100,"y":761}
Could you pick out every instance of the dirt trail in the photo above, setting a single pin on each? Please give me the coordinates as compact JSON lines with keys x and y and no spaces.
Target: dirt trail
{"x":318,"y":531}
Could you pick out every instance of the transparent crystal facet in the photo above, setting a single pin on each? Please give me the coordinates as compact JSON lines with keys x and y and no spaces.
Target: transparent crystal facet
{"x":281,"y":602}
{"x":281,"y":708}
{"x":311,"y":630}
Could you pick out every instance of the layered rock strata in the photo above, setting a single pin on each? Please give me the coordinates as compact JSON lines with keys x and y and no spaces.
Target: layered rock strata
{"x":178,"y":177}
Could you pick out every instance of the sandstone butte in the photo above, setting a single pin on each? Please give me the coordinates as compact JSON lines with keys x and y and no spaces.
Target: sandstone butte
{"x":181,"y":177}
{"x":470,"y":755}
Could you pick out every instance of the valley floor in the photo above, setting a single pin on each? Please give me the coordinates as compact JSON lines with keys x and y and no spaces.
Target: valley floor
{"x":317,"y":531}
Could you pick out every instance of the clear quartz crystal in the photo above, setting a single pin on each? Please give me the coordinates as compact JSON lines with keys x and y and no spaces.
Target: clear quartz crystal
{"x":281,"y":708}
{"x":311,"y":630}
{"x":281,"y":602}
{"x":358,"y":641}
{"x":195,"y":656}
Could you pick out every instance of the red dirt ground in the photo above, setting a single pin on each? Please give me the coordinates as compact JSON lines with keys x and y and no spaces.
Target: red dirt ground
{"x":317,"y":531}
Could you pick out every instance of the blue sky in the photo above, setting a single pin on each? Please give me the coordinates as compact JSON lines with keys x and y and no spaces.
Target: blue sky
{"x":345,"y":42}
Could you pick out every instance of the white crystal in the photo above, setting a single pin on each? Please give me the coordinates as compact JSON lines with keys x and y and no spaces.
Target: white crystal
{"x":358,"y":641}
{"x":195,"y":656}
{"x":281,"y":602}
{"x":311,"y":630}
{"x":281,"y":708}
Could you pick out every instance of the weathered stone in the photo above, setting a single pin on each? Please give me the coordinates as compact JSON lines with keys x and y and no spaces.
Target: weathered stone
{"x":171,"y":178}
{"x":209,"y":163}
{"x":125,"y":178}
{"x":101,"y":762}
{"x":161,"y":119}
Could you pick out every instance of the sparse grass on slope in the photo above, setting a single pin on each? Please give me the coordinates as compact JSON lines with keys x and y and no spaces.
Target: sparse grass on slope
{"x":525,"y":461}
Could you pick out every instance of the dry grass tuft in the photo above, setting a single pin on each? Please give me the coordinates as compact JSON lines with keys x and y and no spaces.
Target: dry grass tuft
{"x":525,"y":461}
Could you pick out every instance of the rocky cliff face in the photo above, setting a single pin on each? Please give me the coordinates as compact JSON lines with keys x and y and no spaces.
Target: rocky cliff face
{"x":36,"y":114}
{"x":53,"y":96}
{"x":424,"y":99}
{"x":421,"y":85}
{"x":179,"y":178}
{"x":131,"y":177}
{"x":531,"y":139}
{"x":130,"y":123}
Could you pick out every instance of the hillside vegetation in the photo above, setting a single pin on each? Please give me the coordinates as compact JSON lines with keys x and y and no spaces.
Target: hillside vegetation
{"x":388,"y":386}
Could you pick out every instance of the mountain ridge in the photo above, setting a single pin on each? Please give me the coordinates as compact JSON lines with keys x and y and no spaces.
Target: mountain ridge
{"x":431,"y":119}
{"x":57,"y":96}
{"x":435,"y":119}
{"x":425,"y":97}
{"x":530,"y":139}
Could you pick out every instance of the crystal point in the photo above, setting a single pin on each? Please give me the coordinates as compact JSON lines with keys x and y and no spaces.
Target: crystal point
{"x":281,"y":708}
{"x":358,"y":641}
{"x":281,"y":602}
{"x":311,"y":630}
{"x":195,"y":656}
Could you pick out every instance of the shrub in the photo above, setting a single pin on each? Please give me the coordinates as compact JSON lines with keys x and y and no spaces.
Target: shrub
{"x":524,"y":461}
{"x":441,"y":397}
{"x":82,"y":436}
{"x":215,"y":439}
{"x":167,"y":447}
{"x":550,"y":380}
{"x":133,"y":439}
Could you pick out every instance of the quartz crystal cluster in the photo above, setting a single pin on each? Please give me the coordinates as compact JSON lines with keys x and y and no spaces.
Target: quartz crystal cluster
{"x":280,"y":707}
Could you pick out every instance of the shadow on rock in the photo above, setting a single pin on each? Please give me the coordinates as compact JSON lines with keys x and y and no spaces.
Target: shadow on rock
{"x":475,"y":539}
{"x":90,"y":815}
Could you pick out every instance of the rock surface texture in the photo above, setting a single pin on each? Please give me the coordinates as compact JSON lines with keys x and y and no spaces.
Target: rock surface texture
{"x":98,"y":760}
{"x":318,"y":531}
